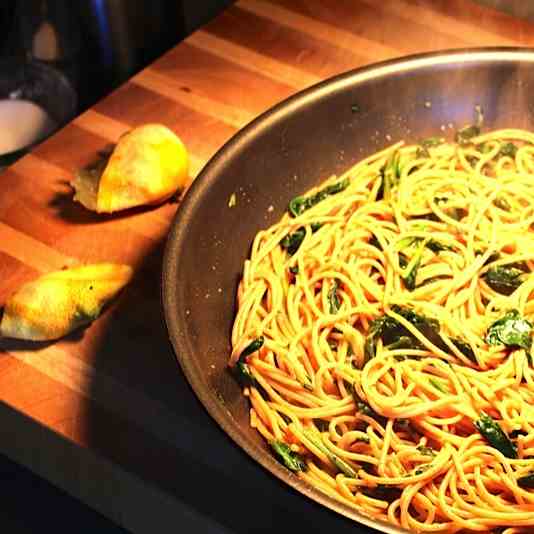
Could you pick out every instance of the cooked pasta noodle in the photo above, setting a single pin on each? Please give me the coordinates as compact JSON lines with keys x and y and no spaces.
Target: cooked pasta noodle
{"x":383,"y":335}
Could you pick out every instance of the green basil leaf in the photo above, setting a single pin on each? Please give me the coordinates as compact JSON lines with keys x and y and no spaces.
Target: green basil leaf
{"x":510,"y":330}
{"x":333,"y":298}
{"x":291,"y":242}
{"x":242,"y":370}
{"x":508,"y":149}
{"x":526,"y":481}
{"x":495,"y":436}
{"x":504,"y":279}
{"x":300,"y":204}
{"x":465,"y":134}
{"x":289,"y":458}
{"x":315,"y":438}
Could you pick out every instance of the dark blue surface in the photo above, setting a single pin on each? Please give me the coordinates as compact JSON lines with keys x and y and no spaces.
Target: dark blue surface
{"x":32,"y":505}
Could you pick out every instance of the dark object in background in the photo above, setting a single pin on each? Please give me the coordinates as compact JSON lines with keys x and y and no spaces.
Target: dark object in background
{"x":32,"y":82}
{"x":96,"y":43}
{"x":407,"y":98}
{"x":123,"y":36}
{"x":99,"y":44}
{"x":36,"y":98}
{"x":120,"y":38}
{"x":46,"y":31}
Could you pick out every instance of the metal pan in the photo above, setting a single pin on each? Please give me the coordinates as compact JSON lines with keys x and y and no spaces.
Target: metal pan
{"x":314,"y":134}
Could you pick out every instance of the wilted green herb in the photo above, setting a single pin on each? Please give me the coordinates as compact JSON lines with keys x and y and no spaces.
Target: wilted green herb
{"x":411,"y":275}
{"x":465,"y":349}
{"x":254,"y":346}
{"x":392,"y":332}
{"x":436,"y":246}
{"x":291,"y":242}
{"x":484,"y":148}
{"x":390,"y":174}
{"x":425,"y":144}
{"x":427,"y":451}
{"x":465,"y":134}
{"x":510,"y":330}
{"x":508,"y":149}
{"x":505,"y":279}
{"x":432,"y":141}
{"x":243,"y":374}
{"x":333,"y":298}
{"x":432,"y":244}
{"x":289,"y":458}
{"x":362,"y":407}
{"x":411,"y":268}
{"x":403,"y":342}
{"x":422,"y":468}
{"x":314,"y":437}
{"x":526,"y":481}
{"x":495,"y":435}
{"x":394,"y":335}
{"x":300,"y":204}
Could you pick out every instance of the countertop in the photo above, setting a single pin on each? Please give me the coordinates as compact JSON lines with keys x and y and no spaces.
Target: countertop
{"x":106,"y":414}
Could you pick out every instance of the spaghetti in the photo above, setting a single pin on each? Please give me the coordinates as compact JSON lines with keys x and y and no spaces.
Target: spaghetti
{"x":383,"y":335}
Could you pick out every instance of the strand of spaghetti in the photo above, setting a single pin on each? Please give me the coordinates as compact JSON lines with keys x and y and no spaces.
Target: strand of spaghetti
{"x":262,"y":409}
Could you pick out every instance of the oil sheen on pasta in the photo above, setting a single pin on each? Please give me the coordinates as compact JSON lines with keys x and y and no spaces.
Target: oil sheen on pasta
{"x":383,"y":335}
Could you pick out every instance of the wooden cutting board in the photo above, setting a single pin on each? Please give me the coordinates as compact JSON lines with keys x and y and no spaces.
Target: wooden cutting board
{"x":106,"y":414}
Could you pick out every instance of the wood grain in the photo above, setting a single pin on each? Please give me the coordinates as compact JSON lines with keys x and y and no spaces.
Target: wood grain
{"x":347,"y":40}
{"x":105,"y":413}
{"x":163,"y":85}
{"x":252,"y":60}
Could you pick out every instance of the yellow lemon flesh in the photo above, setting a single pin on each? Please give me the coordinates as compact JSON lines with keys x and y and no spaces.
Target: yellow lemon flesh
{"x":148,"y":165}
{"x":57,"y":303}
